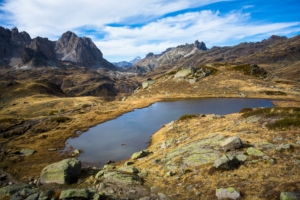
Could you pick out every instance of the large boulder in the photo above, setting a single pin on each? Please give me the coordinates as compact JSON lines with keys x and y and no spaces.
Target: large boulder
{"x":63,"y":172}
{"x":184,"y":73}
{"x":232,"y":143}
{"x":228,"y":193}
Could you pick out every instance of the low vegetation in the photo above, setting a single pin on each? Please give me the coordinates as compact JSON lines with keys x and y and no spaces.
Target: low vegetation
{"x":249,"y":69}
{"x":60,"y":119}
{"x":187,"y":116}
{"x":275,"y":93}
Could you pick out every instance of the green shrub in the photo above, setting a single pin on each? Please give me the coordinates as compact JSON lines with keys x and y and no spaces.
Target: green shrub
{"x":187,"y":116}
{"x":86,"y":105}
{"x":244,"y":110}
{"x":8,"y":120}
{"x":285,"y":123}
{"x":275,"y":93}
{"x":60,"y":119}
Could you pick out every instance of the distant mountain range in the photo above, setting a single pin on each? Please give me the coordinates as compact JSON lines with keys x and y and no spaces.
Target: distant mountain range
{"x":18,"y":50}
{"x":126,"y":64}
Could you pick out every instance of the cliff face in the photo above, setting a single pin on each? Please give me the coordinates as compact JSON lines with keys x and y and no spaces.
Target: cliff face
{"x":12,"y":43}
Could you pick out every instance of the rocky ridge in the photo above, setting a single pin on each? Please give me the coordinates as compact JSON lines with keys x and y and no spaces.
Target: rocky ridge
{"x":19,"y":50}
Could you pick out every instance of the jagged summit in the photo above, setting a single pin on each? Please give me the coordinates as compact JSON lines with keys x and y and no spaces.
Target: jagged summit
{"x":19,"y":50}
{"x":200,"y":45}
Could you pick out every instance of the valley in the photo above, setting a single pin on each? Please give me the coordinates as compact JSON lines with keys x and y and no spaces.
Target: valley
{"x":49,"y":94}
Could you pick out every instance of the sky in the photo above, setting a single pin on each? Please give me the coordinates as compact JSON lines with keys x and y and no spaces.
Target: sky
{"x":124,"y":29}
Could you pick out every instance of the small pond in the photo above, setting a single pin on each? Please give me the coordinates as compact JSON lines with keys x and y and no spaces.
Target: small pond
{"x":134,"y":129}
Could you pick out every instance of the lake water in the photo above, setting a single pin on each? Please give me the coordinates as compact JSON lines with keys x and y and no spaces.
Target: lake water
{"x":134,"y":129}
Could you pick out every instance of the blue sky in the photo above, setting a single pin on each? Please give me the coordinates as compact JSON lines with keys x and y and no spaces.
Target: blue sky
{"x":125,"y":29}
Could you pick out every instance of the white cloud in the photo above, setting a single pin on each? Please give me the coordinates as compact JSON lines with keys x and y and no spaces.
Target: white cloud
{"x":51,"y":18}
{"x":210,"y":27}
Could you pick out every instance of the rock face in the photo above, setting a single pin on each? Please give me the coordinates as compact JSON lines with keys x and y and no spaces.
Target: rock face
{"x":63,"y":172}
{"x":40,"y":53}
{"x":226,"y":162}
{"x":79,"y":50}
{"x":12,"y":43}
{"x":18,"y":49}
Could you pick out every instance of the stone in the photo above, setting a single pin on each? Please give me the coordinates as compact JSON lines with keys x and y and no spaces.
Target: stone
{"x":129,"y":170}
{"x":283,"y":147}
{"x":232,"y":143}
{"x":63,"y":172}
{"x":183,"y":73}
{"x":162,"y":196}
{"x":242,"y":158}
{"x":298,"y":143}
{"x":228,"y":193}
{"x":170,"y":173}
{"x":45,"y":195}
{"x":27,"y":152}
{"x":122,"y":177}
{"x":255,"y":152}
{"x":140,"y":154}
{"x":74,"y":193}
{"x":145,"y":84}
{"x":108,"y":167}
{"x":128,"y":163}
{"x":143,"y":174}
{"x":99,"y":174}
{"x":76,"y":152}
{"x":227,"y":162}
{"x":264,"y":145}
{"x":12,"y":189}
{"x":289,"y":196}
{"x":253,"y":119}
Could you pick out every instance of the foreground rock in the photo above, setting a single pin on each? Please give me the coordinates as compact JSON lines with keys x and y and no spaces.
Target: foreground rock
{"x":289,"y":196}
{"x":63,"y":172}
{"x":232,"y":143}
{"x":226,"y":162}
{"x":12,"y":189}
{"x":140,"y":154}
{"x":73,"y":193}
{"x":228,"y":193}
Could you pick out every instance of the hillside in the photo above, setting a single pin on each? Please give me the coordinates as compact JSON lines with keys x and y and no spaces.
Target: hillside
{"x":41,"y":107}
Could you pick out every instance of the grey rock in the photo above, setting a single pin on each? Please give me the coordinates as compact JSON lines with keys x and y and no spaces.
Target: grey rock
{"x":45,"y":195}
{"x":27,"y":152}
{"x":122,"y":177}
{"x":283,"y":147}
{"x":298,"y":143}
{"x":73,"y":193}
{"x":227,"y":162}
{"x":140,"y":154}
{"x":242,"y":158}
{"x":63,"y":172}
{"x":12,"y":189}
{"x":289,"y":196}
{"x":162,"y":196}
{"x":129,"y":170}
{"x":255,"y":152}
{"x":228,"y":193}
{"x":232,"y":143}
{"x":128,"y":163}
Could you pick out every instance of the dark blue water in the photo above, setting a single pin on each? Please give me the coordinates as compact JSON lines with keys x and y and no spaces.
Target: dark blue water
{"x":103,"y":142}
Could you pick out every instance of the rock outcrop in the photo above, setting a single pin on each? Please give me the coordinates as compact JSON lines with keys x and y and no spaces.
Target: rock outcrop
{"x":12,"y":43}
{"x":63,"y":172}
{"x":80,"y":50}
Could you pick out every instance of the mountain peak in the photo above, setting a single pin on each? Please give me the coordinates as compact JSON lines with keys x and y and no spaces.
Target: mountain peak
{"x":200,"y":45}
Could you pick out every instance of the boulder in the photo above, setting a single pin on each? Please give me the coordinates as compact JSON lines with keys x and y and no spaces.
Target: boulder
{"x":122,"y":177}
{"x":30,"y":194}
{"x":228,"y":193}
{"x":227,"y":162}
{"x":289,"y":196}
{"x":183,"y":73}
{"x":255,"y":152}
{"x":63,"y":172}
{"x":45,"y":195}
{"x":140,"y":154}
{"x":73,"y":193}
{"x":27,"y":152}
{"x":129,"y":170}
{"x":12,"y":189}
{"x":232,"y":143}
